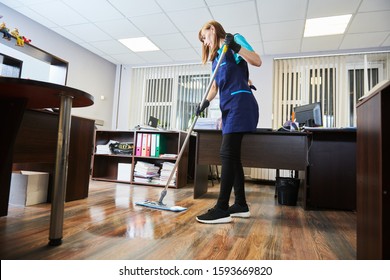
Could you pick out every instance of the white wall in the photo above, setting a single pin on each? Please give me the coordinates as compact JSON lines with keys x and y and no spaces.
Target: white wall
{"x":124,"y":109}
{"x":262,"y":79}
{"x":86,"y":71}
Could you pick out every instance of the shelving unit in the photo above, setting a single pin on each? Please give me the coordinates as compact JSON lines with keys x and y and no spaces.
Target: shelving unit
{"x":105,"y":166}
{"x":58,"y":66}
{"x":10,"y":67}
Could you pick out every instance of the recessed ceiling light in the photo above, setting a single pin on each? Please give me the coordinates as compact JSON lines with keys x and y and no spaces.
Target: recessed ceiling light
{"x":141,"y":44}
{"x":326,"y":25}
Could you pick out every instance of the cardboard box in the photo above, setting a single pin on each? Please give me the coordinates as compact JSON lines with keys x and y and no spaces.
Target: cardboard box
{"x":28,"y":188}
{"x":124,"y":172}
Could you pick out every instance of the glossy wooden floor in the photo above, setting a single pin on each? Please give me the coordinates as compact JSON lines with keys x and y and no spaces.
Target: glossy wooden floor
{"x":107,"y":225}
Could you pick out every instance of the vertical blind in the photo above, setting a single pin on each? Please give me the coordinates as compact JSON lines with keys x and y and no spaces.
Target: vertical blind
{"x":169,"y":93}
{"x":336,"y":81}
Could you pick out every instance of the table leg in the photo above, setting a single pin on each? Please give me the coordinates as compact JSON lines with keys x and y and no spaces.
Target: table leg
{"x":276,"y":189}
{"x":200,"y":180}
{"x":61,"y":170}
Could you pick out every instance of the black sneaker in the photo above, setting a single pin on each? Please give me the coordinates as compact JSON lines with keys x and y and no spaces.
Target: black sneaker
{"x":215,"y":216}
{"x":238,"y":211}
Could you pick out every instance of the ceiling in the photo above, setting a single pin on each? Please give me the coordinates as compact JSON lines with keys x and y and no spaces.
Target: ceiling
{"x":272,"y":27}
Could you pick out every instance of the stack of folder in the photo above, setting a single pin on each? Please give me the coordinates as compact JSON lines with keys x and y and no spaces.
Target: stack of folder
{"x":148,"y":145}
{"x":165,"y":172}
{"x":145,"y":172}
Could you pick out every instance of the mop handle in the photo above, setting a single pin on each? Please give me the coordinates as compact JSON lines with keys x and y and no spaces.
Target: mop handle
{"x":225,"y":48}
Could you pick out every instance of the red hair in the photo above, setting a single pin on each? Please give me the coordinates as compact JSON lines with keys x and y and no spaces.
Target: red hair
{"x":207,"y":53}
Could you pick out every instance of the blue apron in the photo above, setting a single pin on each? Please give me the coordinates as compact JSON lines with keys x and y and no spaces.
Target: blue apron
{"x":240,"y":111}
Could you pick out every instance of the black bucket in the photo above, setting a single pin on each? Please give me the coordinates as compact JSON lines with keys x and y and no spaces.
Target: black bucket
{"x":287,"y":190}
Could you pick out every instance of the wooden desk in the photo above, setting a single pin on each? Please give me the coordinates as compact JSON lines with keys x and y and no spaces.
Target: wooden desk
{"x":36,"y":145}
{"x":16,"y":95}
{"x":331,"y":180}
{"x":325,"y":159}
{"x":267,"y":149}
{"x":373,"y":182}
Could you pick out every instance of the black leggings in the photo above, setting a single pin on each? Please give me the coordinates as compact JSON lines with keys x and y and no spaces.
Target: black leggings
{"x":232,"y":173}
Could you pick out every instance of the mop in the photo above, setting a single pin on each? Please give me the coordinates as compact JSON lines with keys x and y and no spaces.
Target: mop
{"x":159,"y":204}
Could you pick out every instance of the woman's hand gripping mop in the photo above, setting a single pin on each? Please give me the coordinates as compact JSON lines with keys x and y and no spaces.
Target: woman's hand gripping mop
{"x":159,"y":204}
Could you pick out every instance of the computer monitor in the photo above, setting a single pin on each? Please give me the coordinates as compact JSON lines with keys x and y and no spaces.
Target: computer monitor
{"x":153,"y":122}
{"x":309,"y":115}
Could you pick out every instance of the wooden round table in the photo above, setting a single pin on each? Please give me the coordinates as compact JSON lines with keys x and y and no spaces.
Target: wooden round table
{"x":17,"y":95}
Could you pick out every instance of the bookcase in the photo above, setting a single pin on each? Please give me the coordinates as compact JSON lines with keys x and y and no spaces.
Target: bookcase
{"x":150,"y":148}
{"x":105,"y":165}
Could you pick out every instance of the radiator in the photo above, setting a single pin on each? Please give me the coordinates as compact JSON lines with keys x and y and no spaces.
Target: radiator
{"x":267,"y":174}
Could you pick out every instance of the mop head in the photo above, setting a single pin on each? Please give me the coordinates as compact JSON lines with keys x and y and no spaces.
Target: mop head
{"x":160,"y":206}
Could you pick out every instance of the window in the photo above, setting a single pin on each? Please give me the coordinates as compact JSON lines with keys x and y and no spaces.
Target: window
{"x":170,"y":93}
{"x":158,"y":101}
{"x":322,"y":89}
{"x":357,"y":84}
{"x":336,"y":81}
{"x":191,"y":89}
